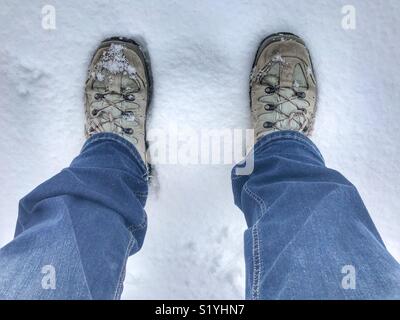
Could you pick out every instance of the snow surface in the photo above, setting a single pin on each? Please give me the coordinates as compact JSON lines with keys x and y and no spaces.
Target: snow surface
{"x":201,"y":53}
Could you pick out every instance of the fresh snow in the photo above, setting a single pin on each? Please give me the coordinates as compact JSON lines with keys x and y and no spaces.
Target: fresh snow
{"x":114,"y":61}
{"x":201,"y":53}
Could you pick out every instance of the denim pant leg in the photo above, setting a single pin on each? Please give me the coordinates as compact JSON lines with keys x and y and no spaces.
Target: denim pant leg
{"x":309,"y":234}
{"x":75,"y":231}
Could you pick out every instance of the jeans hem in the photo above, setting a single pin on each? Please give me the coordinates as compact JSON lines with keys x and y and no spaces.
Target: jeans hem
{"x":108,"y":136}
{"x":287,"y":135}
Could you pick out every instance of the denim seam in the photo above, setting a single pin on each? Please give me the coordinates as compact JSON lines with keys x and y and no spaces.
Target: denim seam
{"x":256,"y":198}
{"x":126,"y":145}
{"x":121,"y":278}
{"x":138,"y":227}
{"x":20,"y":223}
{"x":131,"y":229}
{"x":77,"y":247}
{"x":118,"y":290}
{"x":256,"y":264}
{"x":140,"y":194}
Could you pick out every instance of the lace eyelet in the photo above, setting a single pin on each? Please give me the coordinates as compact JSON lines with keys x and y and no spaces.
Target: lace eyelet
{"x":95,"y":112}
{"x":270,"y":90}
{"x":301,"y":94}
{"x":270,"y":107}
{"x":98,"y":96}
{"x":129,"y":97}
{"x":127,"y":113}
{"x":128,"y":130}
{"x":268,"y":125}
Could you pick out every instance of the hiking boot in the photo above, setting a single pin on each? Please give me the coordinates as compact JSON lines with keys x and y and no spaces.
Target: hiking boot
{"x":283,"y":89}
{"x":118,"y":92}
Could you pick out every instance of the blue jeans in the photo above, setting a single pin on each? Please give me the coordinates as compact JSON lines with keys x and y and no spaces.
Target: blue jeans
{"x":309,"y":235}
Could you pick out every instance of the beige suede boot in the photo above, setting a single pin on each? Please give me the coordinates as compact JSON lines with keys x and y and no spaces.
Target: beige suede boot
{"x":283,"y":89}
{"x":118,"y":92}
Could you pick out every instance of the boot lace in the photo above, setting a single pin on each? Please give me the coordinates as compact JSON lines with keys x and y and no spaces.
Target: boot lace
{"x":295,"y":120}
{"x":109,"y":110}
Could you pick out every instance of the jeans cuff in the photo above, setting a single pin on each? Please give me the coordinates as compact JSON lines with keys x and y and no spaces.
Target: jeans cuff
{"x":108,"y":136}
{"x":287,"y":135}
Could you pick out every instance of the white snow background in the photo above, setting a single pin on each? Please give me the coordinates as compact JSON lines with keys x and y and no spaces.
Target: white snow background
{"x":201,"y":53}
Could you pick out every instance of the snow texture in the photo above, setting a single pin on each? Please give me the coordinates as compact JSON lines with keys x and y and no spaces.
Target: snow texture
{"x":113,"y":61}
{"x":202,"y":53}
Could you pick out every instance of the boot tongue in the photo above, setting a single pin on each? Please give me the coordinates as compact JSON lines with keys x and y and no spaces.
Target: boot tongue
{"x":115,"y":82}
{"x":118,"y":83}
{"x":272,"y":76}
{"x":288,"y":73}
{"x":281,"y":73}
